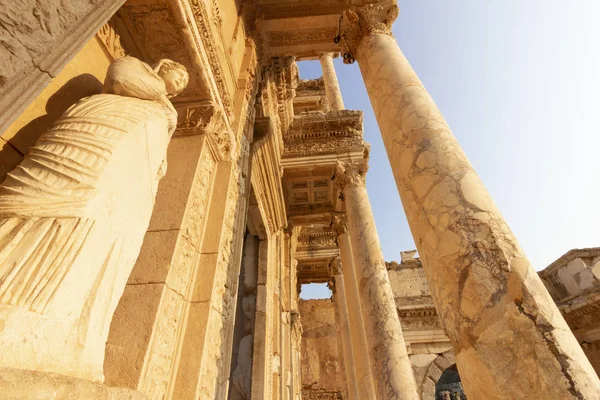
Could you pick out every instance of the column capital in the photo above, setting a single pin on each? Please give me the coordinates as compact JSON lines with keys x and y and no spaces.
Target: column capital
{"x":366,"y":20}
{"x":339,"y":223}
{"x":353,"y":173}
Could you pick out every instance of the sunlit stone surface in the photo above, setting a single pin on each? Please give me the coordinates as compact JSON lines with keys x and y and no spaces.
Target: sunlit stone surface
{"x":121,"y":278}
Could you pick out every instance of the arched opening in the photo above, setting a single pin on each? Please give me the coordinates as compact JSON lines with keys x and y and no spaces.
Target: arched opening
{"x":449,"y":386}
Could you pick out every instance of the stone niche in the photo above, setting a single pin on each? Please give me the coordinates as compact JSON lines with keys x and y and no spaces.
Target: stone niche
{"x":82,"y":76}
{"x":322,"y":362}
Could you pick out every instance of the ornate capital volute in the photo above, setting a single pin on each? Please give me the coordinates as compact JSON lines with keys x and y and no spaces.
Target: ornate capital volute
{"x":205,"y":118}
{"x":351,"y":173}
{"x":366,"y":20}
{"x":339,"y":223}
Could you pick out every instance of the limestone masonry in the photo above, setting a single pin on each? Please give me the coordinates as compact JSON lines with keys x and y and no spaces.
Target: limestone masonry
{"x":168,"y":183}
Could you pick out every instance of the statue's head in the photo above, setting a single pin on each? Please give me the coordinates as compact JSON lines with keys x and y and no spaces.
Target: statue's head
{"x":174,"y":74}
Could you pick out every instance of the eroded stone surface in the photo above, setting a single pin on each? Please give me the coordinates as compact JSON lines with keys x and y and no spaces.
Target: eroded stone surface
{"x":390,"y":365}
{"x":498,"y":315}
{"x":322,"y":364}
{"x":34,"y":385}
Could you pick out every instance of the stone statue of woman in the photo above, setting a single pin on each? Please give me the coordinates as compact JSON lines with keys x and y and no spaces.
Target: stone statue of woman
{"x":73,"y":216}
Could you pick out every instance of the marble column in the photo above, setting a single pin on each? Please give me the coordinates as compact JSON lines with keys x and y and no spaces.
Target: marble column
{"x":358,"y":336}
{"x":332,"y":86}
{"x":340,"y":303}
{"x":509,"y":338}
{"x":390,"y":364}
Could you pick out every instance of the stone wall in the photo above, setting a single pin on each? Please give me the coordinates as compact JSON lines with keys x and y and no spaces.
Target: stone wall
{"x":322,"y":363}
{"x":429,"y":348}
{"x":573,"y":273}
{"x":83,"y":76}
{"x":574,"y":284}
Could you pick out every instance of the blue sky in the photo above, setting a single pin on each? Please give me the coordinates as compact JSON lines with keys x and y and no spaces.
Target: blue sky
{"x":519,"y":84}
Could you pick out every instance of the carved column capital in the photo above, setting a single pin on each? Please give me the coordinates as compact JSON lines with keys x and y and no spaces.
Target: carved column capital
{"x":352,"y":173}
{"x":205,"y":118}
{"x":366,"y":20}
{"x":339,"y":223}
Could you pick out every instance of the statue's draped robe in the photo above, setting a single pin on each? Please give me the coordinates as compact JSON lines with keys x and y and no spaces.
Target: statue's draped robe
{"x":73,"y":216}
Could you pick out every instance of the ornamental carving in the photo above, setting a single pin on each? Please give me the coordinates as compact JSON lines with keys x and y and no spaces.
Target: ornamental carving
{"x":111,"y":40}
{"x":366,"y":20}
{"x":153,"y":29}
{"x":302,"y":36}
{"x":353,"y":173}
{"x":304,"y":8}
{"x":209,"y":43}
{"x":583,"y":317}
{"x":204,"y":117}
{"x":339,"y":223}
{"x":303,"y":149}
{"x":419,"y":319}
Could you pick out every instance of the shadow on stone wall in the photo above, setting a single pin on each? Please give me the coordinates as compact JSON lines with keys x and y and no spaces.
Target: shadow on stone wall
{"x":76,"y":88}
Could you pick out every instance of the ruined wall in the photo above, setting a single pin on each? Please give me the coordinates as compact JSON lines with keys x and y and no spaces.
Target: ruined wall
{"x":571,"y":274}
{"x":573,"y":281}
{"x":322,"y":364}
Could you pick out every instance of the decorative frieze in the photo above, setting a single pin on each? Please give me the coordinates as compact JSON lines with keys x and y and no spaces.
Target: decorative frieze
{"x":199,"y":9}
{"x":111,"y":40}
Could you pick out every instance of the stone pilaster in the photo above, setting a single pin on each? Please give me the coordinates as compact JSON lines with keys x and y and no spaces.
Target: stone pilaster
{"x":390,"y":364}
{"x":358,"y":336}
{"x":509,"y":338}
{"x":340,"y":303}
{"x":332,"y":86}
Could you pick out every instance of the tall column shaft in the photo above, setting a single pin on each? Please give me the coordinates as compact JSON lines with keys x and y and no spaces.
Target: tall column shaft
{"x":390,"y":364}
{"x":332,"y":86}
{"x":339,"y":300}
{"x":509,"y":338}
{"x":358,"y":336}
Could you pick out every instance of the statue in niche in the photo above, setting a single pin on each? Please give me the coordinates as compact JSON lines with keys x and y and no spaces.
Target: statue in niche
{"x":73,"y":216}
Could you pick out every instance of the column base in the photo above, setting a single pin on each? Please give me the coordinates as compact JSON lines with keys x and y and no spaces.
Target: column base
{"x":18,"y":384}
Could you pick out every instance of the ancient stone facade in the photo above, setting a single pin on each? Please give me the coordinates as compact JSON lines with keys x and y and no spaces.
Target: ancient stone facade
{"x":158,"y":217}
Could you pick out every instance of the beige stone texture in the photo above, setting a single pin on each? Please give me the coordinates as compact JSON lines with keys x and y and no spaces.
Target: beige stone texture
{"x":343,"y":324}
{"x":390,"y":365}
{"x":358,"y":335}
{"x":34,"y":385}
{"x":498,"y":315}
{"x":579,"y":305}
{"x":322,"y":363}
{"x":81,"y":77}
{"x":73,"y":216}
{"x":332,"y":86}
{"x":247,"y":212}
{"x":38,"y":40}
